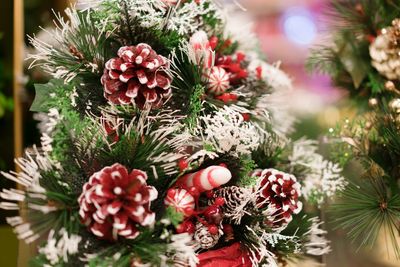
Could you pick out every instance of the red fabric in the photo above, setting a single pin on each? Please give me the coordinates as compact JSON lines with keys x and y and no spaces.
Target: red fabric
{"x":230,"y":256}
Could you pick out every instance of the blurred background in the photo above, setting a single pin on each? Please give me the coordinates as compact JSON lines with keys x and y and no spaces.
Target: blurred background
{"x":287,"y":29}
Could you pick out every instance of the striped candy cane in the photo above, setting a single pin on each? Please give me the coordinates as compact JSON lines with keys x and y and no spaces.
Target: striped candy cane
{"x":205,"y":179}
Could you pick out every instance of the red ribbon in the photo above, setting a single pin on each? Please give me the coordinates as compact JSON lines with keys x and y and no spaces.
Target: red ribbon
{"x":230,"y":256}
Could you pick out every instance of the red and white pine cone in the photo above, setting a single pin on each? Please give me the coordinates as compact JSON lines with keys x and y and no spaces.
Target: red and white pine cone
{"x":279,"y":192}
{"x":114,"y":202}
{"x":137,"y":75}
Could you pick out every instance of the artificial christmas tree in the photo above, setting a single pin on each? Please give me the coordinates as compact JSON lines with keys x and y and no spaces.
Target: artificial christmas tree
{"x":157,"y":120}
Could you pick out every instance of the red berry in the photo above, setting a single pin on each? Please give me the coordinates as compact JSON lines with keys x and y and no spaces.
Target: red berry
{"x":219,"y":201}
{"x":213,"y":229}
{"x":259,"y":72}
{"x":181,"y":228}
{"x":242,"y":74}
{"x":209,"y":194}
{"x":228,"y":229}
{"x":233,"y":97}
{"x":246,"y":116}
{"x":183,"y":164}
{"x":190,"y":228}
{"x":370,"y":38}
{"x":188,"y":212}
{"x":226,"y":44}
{"x":194,"y":191}
{"x":186,"y":227}
{"x":235,"y":67}
{"x":240,"y":57}
{"x":210,"y":211}
{"x":213,"y":42}
{"x":225,"y":97}
{"x":171,"y":192}
{"x":223,"y":165}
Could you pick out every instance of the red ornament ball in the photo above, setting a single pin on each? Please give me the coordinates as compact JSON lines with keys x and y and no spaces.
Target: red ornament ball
{"x":114,"y":202}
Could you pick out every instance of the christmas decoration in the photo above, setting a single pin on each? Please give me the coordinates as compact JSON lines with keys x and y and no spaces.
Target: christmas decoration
{"x":365,"y":61}
{"x":114,"y":202}
{"x":372,"y":102}
{"x":206,"y":179}
{"x":234,"y":197}
{"x":156,"y":115}
{"x":138,"y":74}
{"x":279,"y":191}
{"x":230,"y":256}
{"x":181,"y":200}
{"x":204,"y":237}
{"x":233,"y":65}
{"x":394,"y":104}
{"x":385,"y":51}
{"x":202,"y":49}
{"x":217,"y":80}
{"x":213,"y":213}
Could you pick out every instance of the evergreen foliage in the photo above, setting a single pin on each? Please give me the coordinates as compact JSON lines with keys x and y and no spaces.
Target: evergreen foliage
{"x":370,"y":203}
{"x":111,"y":185}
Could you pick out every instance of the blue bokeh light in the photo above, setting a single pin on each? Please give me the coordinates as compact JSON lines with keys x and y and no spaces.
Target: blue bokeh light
{"x":299,"y":26}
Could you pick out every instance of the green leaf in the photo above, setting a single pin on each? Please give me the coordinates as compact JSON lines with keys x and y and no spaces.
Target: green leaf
{"x":6,"y":104}
{"x":175,"y":217}
{"x":351,"y":61}
{"x":45,"y":93}
{"x":41,"y":97}
{"x":376,"y":82}
{"x":195,"y":106}
{"x":52,"y":94}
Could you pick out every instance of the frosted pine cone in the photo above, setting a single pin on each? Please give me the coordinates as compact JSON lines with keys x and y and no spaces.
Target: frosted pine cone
{"x":235,"y":197}
{"x":114,"y":202}
{"x":204,"y":238}
{"x":385,"y":51}
{"x":138,"y":74}
{"x":279,"y":192}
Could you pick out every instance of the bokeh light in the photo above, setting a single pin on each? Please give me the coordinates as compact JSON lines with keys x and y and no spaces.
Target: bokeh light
{"x":299,"y":26}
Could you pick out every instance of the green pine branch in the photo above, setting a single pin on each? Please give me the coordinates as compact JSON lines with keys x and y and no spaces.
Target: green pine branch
{"x":365,"y":209}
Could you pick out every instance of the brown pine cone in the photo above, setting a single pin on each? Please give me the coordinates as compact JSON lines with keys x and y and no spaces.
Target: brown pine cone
{"x":234,"y":197}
